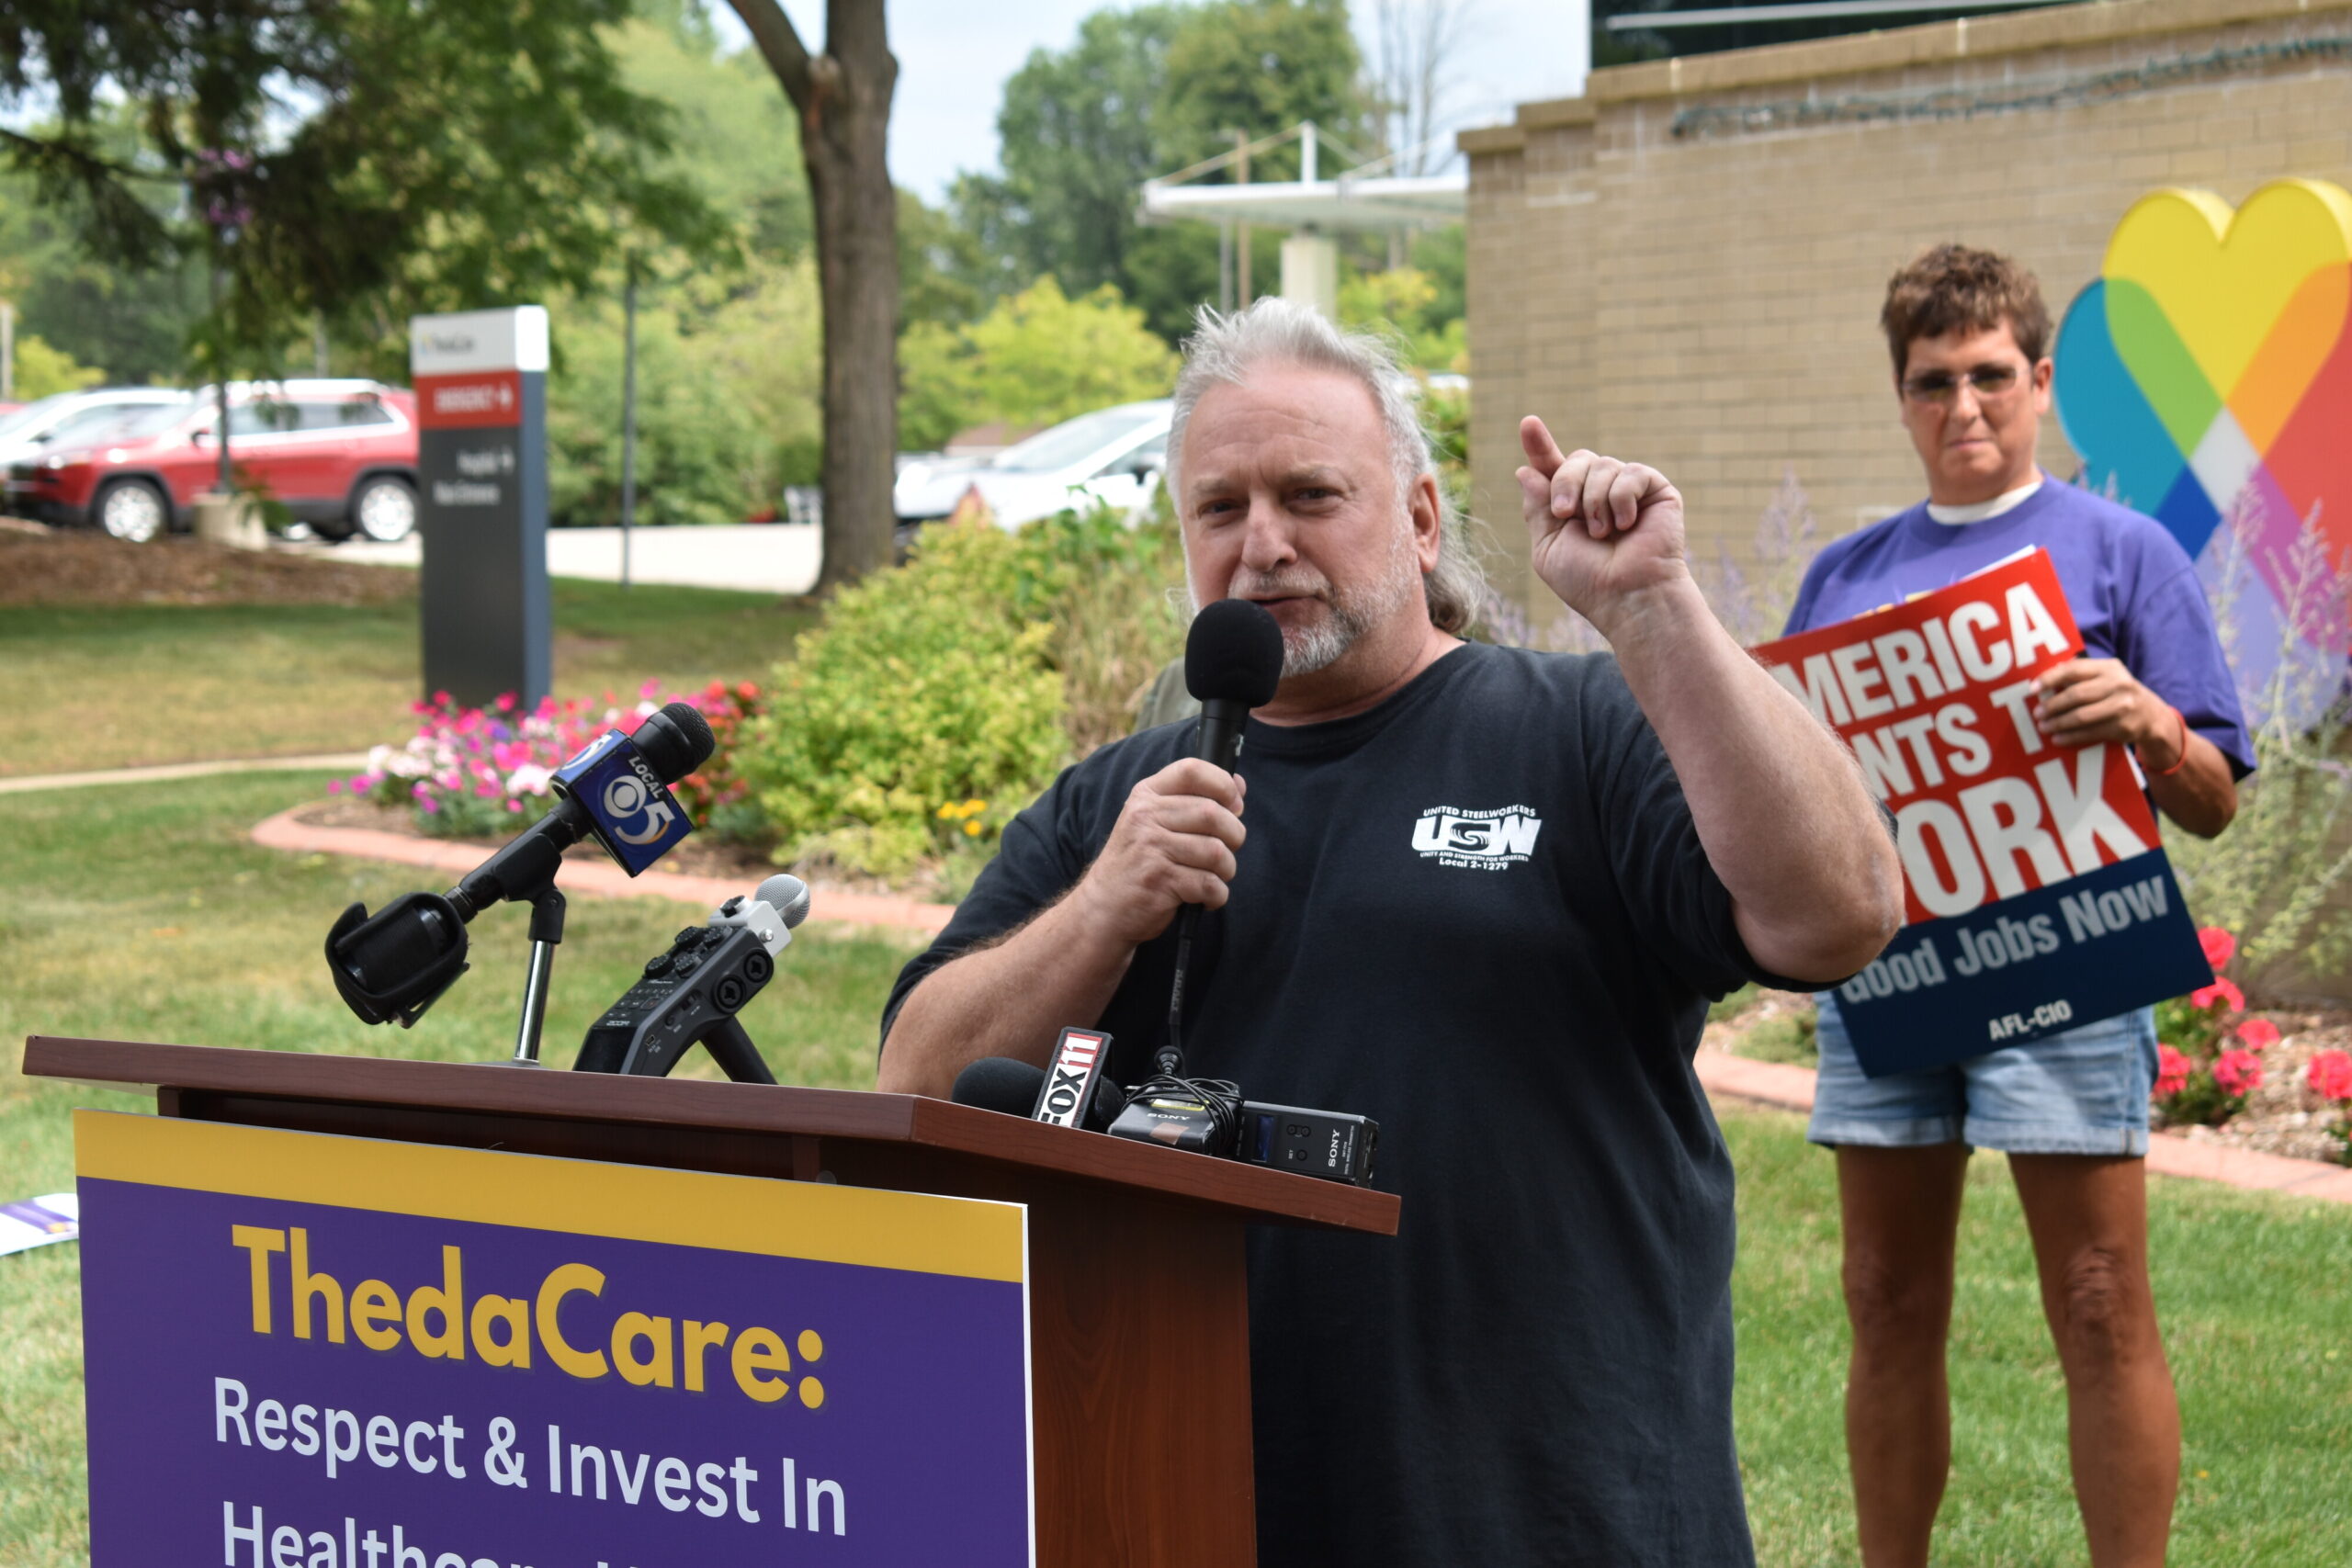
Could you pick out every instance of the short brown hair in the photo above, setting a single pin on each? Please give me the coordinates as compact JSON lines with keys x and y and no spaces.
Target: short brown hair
{"x":1951,"y":288}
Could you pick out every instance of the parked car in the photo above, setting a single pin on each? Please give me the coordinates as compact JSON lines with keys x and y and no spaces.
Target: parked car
{"x":1113,"y":456}
{"x":341,"y":454}
{"x":65,"y":419}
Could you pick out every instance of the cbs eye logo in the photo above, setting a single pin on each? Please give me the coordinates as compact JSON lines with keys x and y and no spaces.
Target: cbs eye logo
{"x":628,"y":796}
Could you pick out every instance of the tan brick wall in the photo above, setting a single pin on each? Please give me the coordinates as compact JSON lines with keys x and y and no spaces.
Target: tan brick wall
{"x":1708,"y":303}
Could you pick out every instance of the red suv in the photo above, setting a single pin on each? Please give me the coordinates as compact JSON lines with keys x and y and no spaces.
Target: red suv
{"x":340,"y":454}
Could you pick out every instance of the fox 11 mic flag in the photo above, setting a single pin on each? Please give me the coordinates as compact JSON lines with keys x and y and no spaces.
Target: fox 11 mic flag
{"x":2038,"y":898}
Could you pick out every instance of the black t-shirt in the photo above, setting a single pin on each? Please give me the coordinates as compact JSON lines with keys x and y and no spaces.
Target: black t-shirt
{"x":1479,"y":914}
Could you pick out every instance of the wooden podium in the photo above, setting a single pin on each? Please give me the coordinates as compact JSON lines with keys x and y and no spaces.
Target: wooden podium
{"x":1139,"y":1304}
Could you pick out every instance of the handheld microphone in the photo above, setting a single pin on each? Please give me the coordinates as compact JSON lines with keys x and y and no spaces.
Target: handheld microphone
{"x":1233,"y":661}
{"x":396,"y":963}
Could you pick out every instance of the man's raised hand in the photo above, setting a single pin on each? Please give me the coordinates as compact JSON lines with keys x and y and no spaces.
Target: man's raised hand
{"x":1173,"y":845}
{"x":1599,"y":530}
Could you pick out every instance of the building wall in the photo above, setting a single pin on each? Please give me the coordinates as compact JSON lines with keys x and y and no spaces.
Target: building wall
{"x":1685,"y":265}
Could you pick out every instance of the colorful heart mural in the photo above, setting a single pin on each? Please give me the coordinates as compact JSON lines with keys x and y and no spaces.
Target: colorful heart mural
{"x":2209,"y":366}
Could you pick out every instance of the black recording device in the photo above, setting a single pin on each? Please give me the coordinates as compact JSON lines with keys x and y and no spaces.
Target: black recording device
{"x":690,"y":995}
{"x":394,"y":964}
{"x":1331,"y":1145}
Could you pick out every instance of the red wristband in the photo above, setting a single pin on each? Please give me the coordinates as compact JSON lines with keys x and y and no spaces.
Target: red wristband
{"x":2182,"y":760}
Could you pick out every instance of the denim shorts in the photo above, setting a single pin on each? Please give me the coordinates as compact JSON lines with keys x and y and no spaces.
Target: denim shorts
{"x":2081,"y":1092}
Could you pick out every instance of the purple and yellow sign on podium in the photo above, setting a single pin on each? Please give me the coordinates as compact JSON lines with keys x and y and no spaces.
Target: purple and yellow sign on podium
{"x":312,"y":1352}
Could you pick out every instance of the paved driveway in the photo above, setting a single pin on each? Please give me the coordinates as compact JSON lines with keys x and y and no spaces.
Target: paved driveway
{"x":779,"y":558}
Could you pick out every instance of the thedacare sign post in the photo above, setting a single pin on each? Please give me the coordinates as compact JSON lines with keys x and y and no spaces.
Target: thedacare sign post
{"x":2037,"y":894}
{"x":339,"y":1352}
{"x":480,"y":378}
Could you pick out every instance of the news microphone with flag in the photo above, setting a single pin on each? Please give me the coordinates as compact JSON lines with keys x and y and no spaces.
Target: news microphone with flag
{"x":1330,"y":1144}
{"x":1014,"y":1088}
{"x":397,"y":963}
{"x":618,"y":790}
{"x":1233,"y":662}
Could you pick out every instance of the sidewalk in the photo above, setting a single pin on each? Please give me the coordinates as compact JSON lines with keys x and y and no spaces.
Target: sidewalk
{"x":337,"y":761}
{"x":1791,"y":1089}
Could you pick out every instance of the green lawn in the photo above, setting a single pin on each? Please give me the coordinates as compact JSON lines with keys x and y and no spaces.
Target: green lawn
{"x":123,"y":685}
{"x":142,"y":912}
{"x":2250,"y":1290}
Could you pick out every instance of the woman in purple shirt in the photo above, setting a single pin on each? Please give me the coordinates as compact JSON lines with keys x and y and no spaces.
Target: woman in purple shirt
{"x":1967,"y":330}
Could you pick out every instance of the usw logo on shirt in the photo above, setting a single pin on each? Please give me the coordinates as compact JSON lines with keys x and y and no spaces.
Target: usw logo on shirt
{"x":1488,"y":840}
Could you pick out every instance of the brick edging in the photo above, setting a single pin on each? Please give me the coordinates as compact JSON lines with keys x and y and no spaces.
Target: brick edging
{"x":283,"y":832}
{"x":1791,"y":1089}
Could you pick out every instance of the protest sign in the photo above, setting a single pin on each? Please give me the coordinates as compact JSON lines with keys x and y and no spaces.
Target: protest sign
{"x":344,"y":1352}
{"x":2038,"y":895}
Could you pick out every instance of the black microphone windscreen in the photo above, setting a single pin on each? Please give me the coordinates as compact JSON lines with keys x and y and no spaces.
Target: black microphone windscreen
{"x":1234,"y":652}
{"x":1000,"y":1083}
{"x":676,"y":740}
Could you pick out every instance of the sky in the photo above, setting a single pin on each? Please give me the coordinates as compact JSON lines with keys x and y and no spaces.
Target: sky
{"x":955,"y":55}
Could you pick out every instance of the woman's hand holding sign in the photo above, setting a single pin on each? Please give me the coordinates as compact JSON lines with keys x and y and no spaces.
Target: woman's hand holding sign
{"x":2089,"y":700}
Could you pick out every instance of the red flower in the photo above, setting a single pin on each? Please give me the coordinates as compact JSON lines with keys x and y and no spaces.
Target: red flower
{"x":2219,"y":945}
{"x":2238,"y":1072}
{"x":2221,"y":993}
{"x":2257,"y":1033}
{"x":2172,"y":1072}
{"x":2330,"y":1075}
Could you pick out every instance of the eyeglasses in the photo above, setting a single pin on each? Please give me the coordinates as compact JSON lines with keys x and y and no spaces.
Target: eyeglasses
{"x":1942,"y":385}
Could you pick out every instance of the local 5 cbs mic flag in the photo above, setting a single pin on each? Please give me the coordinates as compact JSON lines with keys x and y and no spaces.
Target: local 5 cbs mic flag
{"x":2037,"y":892}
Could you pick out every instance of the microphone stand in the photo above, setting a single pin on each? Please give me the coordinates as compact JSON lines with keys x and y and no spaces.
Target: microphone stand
{"x":546,"y":930}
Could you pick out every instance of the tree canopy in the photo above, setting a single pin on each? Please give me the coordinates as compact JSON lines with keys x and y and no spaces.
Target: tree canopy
{"x":1143,"y":92}
{"x":356,"y":159}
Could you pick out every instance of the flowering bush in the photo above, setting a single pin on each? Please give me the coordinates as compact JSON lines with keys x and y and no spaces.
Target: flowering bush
{"x":2330,"y":1077}
{"x":2212,"y":1056}
{"x":2237,"y":1073}
{"x":717,"y":795}
{"x":479,"y":773}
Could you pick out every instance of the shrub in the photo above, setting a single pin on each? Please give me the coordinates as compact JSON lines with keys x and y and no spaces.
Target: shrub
{"x":922,"y":685}
{"x":2329,"y":1076}
{"x":2211,"y":1056}
{"x":935,"y":700}
{"x":2270,"y":877}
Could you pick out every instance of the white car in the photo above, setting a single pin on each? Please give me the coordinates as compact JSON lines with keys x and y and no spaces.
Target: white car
{"x":1114,"y":457}
{"x":75,"y":419}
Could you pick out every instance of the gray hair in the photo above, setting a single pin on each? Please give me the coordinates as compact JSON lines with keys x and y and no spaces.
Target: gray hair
{"x":1226,"y":348}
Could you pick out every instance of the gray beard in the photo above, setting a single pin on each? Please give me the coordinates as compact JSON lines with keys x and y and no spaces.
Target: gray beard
{"x":1309,"y":651}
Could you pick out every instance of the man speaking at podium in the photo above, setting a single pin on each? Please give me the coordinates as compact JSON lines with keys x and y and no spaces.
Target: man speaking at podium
{"x":1481,"y":896}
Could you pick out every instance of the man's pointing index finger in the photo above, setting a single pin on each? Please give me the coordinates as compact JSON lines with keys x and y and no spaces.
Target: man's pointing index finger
{"x":1543,"y":453}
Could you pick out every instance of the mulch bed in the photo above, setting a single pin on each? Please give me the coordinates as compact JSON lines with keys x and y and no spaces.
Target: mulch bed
{"x":39,"y":565}
{"x":2281,"y":1116}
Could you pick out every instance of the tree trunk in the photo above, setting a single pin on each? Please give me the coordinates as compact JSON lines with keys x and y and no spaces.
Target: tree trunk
{"x":843,"y":99}
{"x":857,"y":274}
